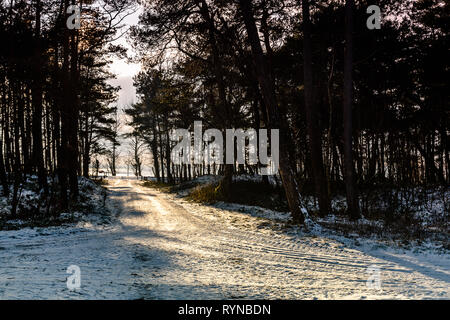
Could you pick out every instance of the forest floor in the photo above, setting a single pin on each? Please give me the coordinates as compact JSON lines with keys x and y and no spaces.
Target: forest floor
{"x":158,"y":245}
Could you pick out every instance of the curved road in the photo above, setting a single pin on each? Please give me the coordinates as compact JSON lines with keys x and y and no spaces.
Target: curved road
{"x":161,"y":247}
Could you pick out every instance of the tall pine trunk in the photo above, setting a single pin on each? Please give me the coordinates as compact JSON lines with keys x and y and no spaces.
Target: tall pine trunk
{"x":38,"y":155}
{"x":266,"y":84}
{"x":352,"y":198}
{"x":154,"y":147}
{"x":3,"y":179}
{"x":226,"y":182}
{"x":315,"y":144}
{"x":73,"y":164}
{"x":66,"y":105}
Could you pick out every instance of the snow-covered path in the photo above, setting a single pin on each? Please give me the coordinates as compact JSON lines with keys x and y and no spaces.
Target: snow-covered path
{"x":164,"y":248}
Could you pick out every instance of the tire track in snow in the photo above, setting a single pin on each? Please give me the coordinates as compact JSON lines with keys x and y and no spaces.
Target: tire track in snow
{"x":279,"y":260}
{"x":162,"y":247}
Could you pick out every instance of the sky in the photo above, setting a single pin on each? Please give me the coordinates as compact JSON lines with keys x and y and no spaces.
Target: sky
{"x":125,"y":72}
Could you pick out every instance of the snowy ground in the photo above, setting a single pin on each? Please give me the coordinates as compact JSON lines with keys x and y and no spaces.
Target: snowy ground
{"x":162,"y":247}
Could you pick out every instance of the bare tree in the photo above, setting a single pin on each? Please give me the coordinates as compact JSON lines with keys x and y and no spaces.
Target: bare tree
{"x":113,"y":138}
{"x":137,"y":150}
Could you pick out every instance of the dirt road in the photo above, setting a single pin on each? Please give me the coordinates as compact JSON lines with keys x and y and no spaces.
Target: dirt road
{"x":160,"y":247}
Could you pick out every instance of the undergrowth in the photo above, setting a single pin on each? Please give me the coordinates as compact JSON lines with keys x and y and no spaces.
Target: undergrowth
{"x":397,"y":213}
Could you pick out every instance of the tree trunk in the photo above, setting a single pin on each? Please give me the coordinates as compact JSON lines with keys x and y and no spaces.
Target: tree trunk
{"x":154,"y":147}
{"x":168,"y":160}
{"x":38,"y":155}
{"x":352,"y":198}
{"x":64,"y":150}
{"x":3,"y":179}
{"x":21,"y":103}
{"x":87,"y":145}
{"x":274,"y":118}
{"x":315,"y":145}
{"x":73,"y":116}
{"x":225,"y":185}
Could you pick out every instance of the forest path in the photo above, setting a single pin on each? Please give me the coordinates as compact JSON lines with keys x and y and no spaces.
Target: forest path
{"x":164,"y":248}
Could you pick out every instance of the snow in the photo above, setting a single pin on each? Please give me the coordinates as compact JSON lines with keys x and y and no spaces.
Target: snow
{"x":159,"y":246}
{"x":31,"y":200}
{"x":257,"y":178}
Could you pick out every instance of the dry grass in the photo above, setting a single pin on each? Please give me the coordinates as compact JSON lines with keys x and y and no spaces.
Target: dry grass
{"x":209,"y":194}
